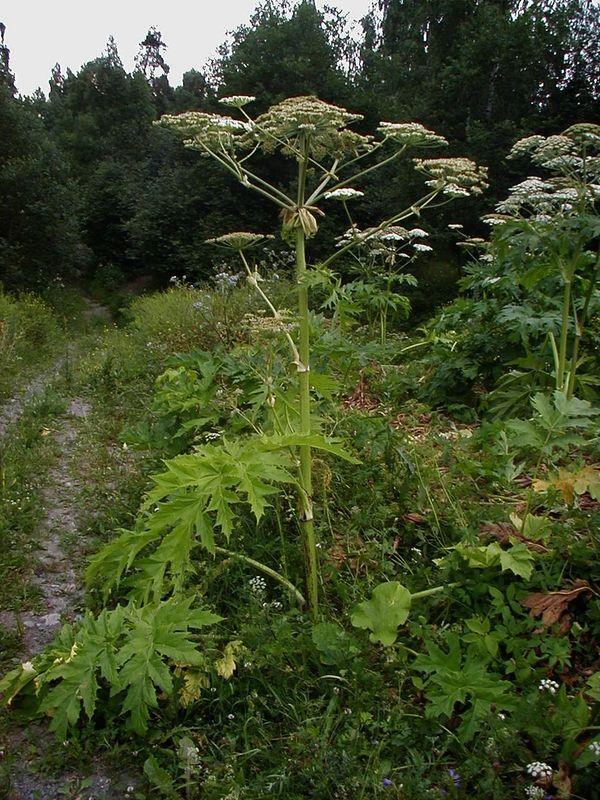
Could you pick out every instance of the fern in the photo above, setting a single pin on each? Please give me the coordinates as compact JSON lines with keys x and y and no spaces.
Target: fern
{"x":130,"y":651}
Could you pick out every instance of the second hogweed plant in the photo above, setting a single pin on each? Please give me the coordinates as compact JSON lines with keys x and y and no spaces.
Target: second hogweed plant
{"x":331,"y":161}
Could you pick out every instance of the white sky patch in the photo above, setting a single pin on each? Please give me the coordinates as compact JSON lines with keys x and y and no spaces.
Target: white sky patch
{"x":73,"y":32}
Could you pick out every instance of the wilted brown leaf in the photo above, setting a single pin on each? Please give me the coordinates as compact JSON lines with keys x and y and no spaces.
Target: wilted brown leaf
{"x":416,"y":519}
{"x":524,"y":481}
{"x":505,"y":531}
{"x":360,"y":398}
{"x":552,"y":607}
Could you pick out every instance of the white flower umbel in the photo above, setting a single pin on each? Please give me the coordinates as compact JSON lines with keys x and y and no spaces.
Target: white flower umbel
{"x":535,"y":792}
{"x":422,"y":248}
{"x":495,"y":219}
{"x":539,"y":770}
{"x":237,"y":100}
{"x":391,"y":237}
{"x":258,"y":585}
{"x":452,"y":190}
{"x":595,"y":748}
{"x":455,"y":226}
{"x":418,"y":233}
{"x":547,"y":685}
{"x":411,"y":133}
{"x":459,"y":172}
{"x":346,"y":193}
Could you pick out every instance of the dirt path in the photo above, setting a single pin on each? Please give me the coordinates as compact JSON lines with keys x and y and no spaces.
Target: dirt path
{"x":12,"y":410}
{"x":58,"y":579}
{"x":61,"y":591}
{"x":55,"y":576}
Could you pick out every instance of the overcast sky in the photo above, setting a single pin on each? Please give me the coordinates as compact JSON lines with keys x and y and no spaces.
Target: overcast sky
{"x":71,"y":32}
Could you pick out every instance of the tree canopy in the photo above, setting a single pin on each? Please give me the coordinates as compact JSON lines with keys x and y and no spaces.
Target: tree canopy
{"x":88,"y":162}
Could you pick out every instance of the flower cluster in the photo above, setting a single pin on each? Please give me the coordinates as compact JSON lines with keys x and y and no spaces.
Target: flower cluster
{"x":535,"y":792}
{"x":595,"y":748}
{"x":572,"y":152}
{"x":225,"y":280}
{"x":346,"y":193}
{"x":539,"y":770}
{"x":202,"y":131}
{"x":411,"y":133}
{"x":237,"y":100}
{"x":459,"y":173}
{"x":547,"y":685}
{"x":321,"y":125}
{"x":258,"y":585}
{"x":495,"y":219}
{"x":239,"y":240}
{"x":541,"y":198}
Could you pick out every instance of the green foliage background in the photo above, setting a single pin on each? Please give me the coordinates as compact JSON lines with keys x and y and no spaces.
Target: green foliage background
{"x":89,"y":185}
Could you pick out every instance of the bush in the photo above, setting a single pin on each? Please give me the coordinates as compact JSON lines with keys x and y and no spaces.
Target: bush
{"x":29,"y":330}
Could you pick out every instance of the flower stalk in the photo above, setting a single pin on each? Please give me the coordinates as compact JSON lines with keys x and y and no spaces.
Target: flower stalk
{"x":310,"y":131}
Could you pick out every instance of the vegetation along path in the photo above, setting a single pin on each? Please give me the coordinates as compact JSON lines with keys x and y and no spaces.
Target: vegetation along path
{"x":30,"y":767}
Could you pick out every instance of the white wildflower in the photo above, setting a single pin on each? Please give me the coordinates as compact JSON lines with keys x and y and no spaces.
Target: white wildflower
{"x":455,"y":226}
{"x":418,"y":233}
{"x":237,"y":100}
{"x":452,"y":190}
{"x":346,"y":193}
{"x":526,"y":145}
{"x":566,"y":162}
{"x":595,"y":748}
{"x":258,"y":585}
{"x":391,"y":237}
{"x":494,"y":219}
{"x":410,"y":133}
{"x":539,"y":770}
{"x":422,"y":248}
{"x":535,"y":792}
{"x":547,"y":685}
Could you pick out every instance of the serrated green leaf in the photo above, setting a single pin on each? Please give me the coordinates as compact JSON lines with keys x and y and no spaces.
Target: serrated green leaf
{"x":315,"y":440}
{"x":518,"y":559}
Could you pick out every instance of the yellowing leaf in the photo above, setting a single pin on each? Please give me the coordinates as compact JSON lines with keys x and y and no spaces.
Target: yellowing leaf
{"x":193,"y":683}
{"x":226,"y":665}
{"x":568,"y":483}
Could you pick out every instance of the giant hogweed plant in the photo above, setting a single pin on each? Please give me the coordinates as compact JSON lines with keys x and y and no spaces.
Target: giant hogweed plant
{"x":330,"y":157}
{"x":547,"y":230}
{"x":199,"y":498}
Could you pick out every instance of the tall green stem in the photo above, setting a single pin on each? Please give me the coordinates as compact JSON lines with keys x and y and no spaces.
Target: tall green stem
{"x":579,"y":325}
{"x":306,"y":504}
{"x":562,"y":351}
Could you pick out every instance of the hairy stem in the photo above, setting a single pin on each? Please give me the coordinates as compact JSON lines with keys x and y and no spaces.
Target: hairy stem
{"x":306,"y":503}
{"x":267,"y":570}
{"x":433,"y":590}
